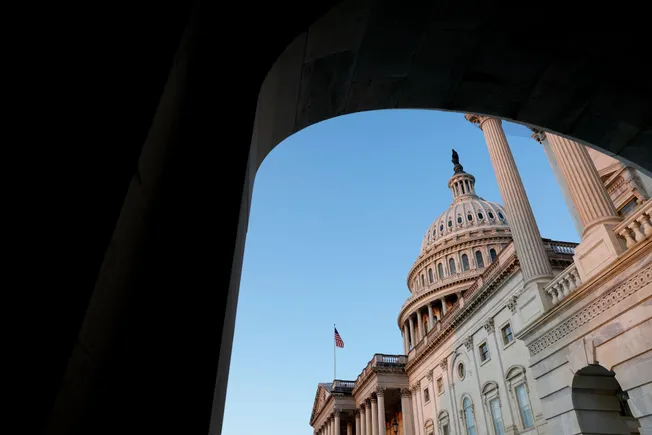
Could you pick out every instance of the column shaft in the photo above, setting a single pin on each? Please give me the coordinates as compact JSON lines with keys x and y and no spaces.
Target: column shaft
{"x":368,"y":417}
{"x":406,"y":345}
{"x":415,"y":414}
{"x":420,"y":322}
{"x":413,"y":341}
{"x":431,"y":319}
{"x":374,"y":417}
{"x":337,"y":427}
{"x":349,"y":428}
{"x":527,"y":240}
{"x":381,"y":413}
{"x":358,"y":430}
{"x":443,"y":305}
{"x":406,"y":410}
{"x":363,"y":420}
{"x":587,"y":191}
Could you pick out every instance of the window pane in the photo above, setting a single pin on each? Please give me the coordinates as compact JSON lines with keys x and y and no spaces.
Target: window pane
{"x":468,"y":416}
{"x":478,"y":259}
{"x":445,"y":429}
{"x":507,"y":334}
{"x":497,"y":417}
{"x":524,"y":406}
{"x":451,"y":265}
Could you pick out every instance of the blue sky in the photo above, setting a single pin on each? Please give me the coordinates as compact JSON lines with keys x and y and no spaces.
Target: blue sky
{"x":338,"y":215}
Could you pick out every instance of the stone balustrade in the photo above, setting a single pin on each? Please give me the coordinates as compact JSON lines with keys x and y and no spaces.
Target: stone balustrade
{"x":340,"y":386}
{"x":564,"y":284}
{"x":637,"y":226}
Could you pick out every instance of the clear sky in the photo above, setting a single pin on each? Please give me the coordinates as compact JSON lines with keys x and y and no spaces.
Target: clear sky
{"x":338,"y":215}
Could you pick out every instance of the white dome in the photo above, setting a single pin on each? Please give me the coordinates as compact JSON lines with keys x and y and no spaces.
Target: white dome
{"x":467,"y":213}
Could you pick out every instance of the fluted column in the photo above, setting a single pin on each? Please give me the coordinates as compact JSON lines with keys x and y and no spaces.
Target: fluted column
{"x":358,"y":427}
{"x":368,"y":417}
{"x":337,"y":425}
{"x":349,"y":428}
{"x":431,"y":320}
{"x":406,"y":410}
{"x":363,"y":419}
{"x":374,"y":416}
{"x":413,"y":340}
{"x":380,"y":394}
{"x":420,"y":322}
{"x":443,"y":306}
{"x":532,"y":256}
{"x":406,"y":346}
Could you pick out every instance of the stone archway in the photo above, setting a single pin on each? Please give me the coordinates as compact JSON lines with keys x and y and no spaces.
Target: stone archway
{"x":600,"y":404}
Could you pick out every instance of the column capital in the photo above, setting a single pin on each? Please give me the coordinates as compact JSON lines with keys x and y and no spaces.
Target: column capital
{"x":489,"y":325}
{"x":477,"y":120}
{"x":538,"y":135}
{"x":405,"y":392}
{"x":373,"y":399}
{"x":363,"y":405}
{"x":429,"y":375}
{"x":511,"y":304}
{"x":337,"y":412}
{"x":380,"y":391}
{"x":468,"y":342}
{"x":444,"y":364}
{"x":356,"y":412}
{"x":368,"y":402}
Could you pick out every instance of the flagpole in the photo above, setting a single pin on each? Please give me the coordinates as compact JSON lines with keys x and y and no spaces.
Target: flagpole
{"x":334,"y":355}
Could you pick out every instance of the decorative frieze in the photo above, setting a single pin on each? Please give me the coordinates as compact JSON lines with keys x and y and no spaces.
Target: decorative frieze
{"x":593,"y":310}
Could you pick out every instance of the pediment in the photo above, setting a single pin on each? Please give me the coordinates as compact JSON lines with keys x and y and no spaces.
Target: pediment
{"x":321,"y":396}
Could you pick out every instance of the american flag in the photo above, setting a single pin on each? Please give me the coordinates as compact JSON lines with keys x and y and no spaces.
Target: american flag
{"x":338,"y":340}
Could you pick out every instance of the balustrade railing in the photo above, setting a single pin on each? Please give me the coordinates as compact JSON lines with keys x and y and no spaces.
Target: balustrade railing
{"x":343,"y":386}
{"x":564,"y":284}
{"x":382,"y":360}
{"x":637,"y":226}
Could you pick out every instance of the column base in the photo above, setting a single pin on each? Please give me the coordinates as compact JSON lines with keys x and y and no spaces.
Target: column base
{"x":599,"y":247}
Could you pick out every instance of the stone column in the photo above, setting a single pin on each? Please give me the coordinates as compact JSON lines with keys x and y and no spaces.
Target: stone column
{"x":406,"y":410}
{"x":337,"y":426}
{"x":532,"y":256}
{"x":540,"y":136}
{"x":358,"y":428}
{"x":380,"y":393}
{"x":406,"y":338}
{"x":413,"y":340}
{"x":415,"y":412}
{"x":363,"y":419}
{"x":595,"y":210}
{"x":330,"y":426}
{"x":431,"y":319}
{"x":420,"y":322}
{"x":374,"y":416}
{"x":349,"y":428}
{"x":368,"y":417}
{"x":443,"y":305}
{"x":433,"y":395}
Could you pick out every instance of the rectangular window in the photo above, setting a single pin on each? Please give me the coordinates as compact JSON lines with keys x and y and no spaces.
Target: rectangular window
{"x":524,"y":407}
{"x":497,"y":417}
{"x":426,"y":395}
{"x":440,"y":385}
{"x":507,"y":334}
{"x":484,"y":352}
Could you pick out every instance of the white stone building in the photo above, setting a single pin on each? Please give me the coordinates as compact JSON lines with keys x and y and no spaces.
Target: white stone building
{"x":506,"y":332}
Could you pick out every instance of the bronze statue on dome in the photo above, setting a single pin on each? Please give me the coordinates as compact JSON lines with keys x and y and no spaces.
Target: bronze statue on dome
{"x":456,"y":162}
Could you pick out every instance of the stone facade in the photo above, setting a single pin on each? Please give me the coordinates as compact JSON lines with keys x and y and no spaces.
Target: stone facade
{"x":509,"y":333}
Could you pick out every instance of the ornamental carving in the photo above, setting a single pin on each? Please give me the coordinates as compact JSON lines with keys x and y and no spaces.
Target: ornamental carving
{"x":476,"y":120}
{"x":538,"y":135}
{"x":511,"y":304}
{"x":405,"y":392}
{"x":337,"y":411}
{"x":468,"y":342}
{"x":489,"y":325}
{"x":593,"y":310}
{"x":380,"y":391}
{"x":429,"y":375}
{"x":444,"y":364}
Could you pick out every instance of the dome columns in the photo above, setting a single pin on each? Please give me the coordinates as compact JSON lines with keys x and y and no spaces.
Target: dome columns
{"x":591,"y":202}
{"x":532,"y":256}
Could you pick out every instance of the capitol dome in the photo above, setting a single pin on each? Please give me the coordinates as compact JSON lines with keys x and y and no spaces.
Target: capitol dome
{"x":462,"y":241}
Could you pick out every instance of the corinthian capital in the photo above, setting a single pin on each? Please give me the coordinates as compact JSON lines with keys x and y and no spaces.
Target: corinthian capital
{"x":429,"y":375}
{"x":476,"y":120}
{"x":405,"y":392}
{"x":538,"y":135}
{"x":489,"y":325}
{"x":468,"y":342}
{"x":444,"y":364}
{"x":380,"y":391}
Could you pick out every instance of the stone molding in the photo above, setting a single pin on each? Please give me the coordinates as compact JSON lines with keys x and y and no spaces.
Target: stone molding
{"x":489,"y":325}
{"x":597,"y":307}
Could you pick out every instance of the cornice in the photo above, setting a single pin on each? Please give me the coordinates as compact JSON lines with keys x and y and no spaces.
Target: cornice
{"x":471,"y":306}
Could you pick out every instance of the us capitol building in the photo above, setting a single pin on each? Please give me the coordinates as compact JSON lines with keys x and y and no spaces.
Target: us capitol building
{"x":506,"y":332}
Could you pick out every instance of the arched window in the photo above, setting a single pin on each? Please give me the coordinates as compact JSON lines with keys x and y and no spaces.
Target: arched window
{"x":465,"y":262}
{"x":443,"y":423}
{"x":430,"y":276}
{"x":478,"y":259}
{"x":423,"y":280}
{"x":491,"y":400}
{"x":469,"y":421}
{"x":492,"y":253}
{"x":451,"y":266}
{"x":517,"y":382}
{"x":440,"y":269}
